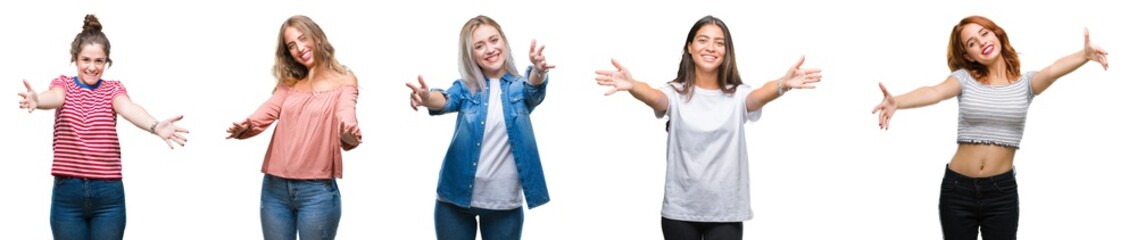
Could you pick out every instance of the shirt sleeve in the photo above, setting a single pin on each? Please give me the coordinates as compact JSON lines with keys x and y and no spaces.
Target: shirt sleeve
{"x":534,"y":94}
{"x":345,"y":109}
{"x":453,"y":98}
{"x":750,"y":116}
{"x":672,"y":95}
{"x":266,"y":114}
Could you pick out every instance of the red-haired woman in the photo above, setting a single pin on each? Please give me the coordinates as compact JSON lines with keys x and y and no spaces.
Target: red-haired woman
{"x":979,"y":189}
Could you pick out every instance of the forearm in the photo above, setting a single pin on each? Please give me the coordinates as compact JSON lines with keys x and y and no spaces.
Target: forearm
{"x":50,"y":99}
{"x":536,"y":78}
{"x":761,"y":96}
{"x":1064,"y":66}
{"x":650,"y":96}
{"x":436,"y":101}
{"x":920,"y":97}
{"x":138,"y":116}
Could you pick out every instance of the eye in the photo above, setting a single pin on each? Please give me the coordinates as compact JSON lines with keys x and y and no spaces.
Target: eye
{"x":100,"y":61}
{"x":720,"y":43}
{"x":291,"y":46}
{"x":303,"y":38}
{"x":494,"y":40}
{"x":478,"y":46}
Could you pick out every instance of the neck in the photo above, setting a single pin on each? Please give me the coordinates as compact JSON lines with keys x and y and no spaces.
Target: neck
{"x":498,"y":74}
{"x":88,"y":82}
{"x":997,"y":70}
{"x":707,"y":79}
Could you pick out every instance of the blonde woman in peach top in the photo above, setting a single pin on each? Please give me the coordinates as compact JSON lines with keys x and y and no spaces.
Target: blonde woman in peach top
{"x":314,"y":107}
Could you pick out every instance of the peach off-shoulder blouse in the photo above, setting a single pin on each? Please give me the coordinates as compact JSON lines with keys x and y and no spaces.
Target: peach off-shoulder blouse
{"x":306,"y":142}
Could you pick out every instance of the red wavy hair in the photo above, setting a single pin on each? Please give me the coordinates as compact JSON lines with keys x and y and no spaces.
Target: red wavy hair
{"x":957,"y":51}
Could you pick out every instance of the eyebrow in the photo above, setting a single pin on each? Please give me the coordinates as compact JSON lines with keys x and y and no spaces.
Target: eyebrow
{"x":973,"y":37}
{"x":718,"y":38}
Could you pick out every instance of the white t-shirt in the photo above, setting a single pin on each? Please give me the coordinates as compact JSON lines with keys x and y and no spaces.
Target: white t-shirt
{"x":708,"y":177}
{"x":496,"y":185}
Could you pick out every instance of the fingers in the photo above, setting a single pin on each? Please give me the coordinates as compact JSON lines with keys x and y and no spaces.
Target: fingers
{"x":800,"y":61}
{"x":532,"y":46}
{"x":23,"y":95}
{"x":550,"y":66}
{"x":541,"y":50}
{"x":1086,"y":33}
{"x":181,"y":130}
{"x":28,"y":86}
{"x":884,"y":90}
{"x":610,"y":92}
{"x":180,"y":142}
{"x":617,"y":64}
{"x":877,"y":108}
{"x":175,"y":119}
{"x":413,"y":88}
{"x":421,"y":82}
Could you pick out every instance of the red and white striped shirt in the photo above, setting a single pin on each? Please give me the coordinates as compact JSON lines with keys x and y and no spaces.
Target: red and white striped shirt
{"x":86,"y":141}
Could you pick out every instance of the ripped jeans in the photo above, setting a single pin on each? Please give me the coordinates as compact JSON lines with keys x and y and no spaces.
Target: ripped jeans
{"x":311,"y":207}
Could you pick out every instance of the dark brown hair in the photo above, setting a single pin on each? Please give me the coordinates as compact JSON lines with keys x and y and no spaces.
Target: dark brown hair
{"x":728,"y":79}
{"x":92,"y":34}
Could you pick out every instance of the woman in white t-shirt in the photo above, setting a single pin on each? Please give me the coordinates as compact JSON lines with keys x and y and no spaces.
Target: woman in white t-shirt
{"x":707,"y":191}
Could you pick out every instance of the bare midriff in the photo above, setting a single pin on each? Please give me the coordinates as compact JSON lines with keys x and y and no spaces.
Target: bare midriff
{"x":982,"y":160}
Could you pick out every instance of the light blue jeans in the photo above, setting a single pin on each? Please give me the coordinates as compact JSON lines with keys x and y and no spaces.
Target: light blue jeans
{"x":87,"y":209}
{"x":452,"y":222}
{"x":311,"y":207}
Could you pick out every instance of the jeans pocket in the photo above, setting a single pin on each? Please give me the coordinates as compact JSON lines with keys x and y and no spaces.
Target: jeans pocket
{"x":1007,"y":186}
{"x":948,"y":185}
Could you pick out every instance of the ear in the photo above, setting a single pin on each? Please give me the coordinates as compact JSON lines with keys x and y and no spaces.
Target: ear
{"x":968,"y":57}
{"x":691,"y":48}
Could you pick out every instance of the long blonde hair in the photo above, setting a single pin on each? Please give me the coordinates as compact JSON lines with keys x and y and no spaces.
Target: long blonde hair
{"x":287,"y":70}
{"x":472,"y":74}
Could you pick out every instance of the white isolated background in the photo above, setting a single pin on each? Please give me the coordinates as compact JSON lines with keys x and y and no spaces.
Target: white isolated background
{"x":820,"y":167}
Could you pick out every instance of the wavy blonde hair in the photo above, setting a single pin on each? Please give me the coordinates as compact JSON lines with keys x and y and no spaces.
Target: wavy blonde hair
{"x":472,"y":74}
{"x":287,"y":70}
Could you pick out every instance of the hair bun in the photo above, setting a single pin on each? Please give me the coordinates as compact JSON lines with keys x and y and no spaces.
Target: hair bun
{"x":91,"y":23}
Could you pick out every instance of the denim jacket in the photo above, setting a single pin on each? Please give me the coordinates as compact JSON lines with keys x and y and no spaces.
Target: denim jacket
{"x":519,"y":98}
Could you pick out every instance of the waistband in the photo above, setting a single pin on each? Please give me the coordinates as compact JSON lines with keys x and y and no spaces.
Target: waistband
{"x":63,"y":177}
{"x":1009,"y":175}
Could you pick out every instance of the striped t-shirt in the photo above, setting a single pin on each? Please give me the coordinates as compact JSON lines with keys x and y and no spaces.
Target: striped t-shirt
{"x":86,"y":142}
{"x":993,"y":115}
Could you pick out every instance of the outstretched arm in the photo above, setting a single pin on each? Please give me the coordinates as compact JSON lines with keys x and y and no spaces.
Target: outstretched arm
{"x":259,"y":121}
{"x":140,"y":118}
{"x":422,"y":96}
{"x":1090,"y":52}
{"x":50,"y":99}
{"x":540,"y":66}
{"x":621,"y":80}
{"x":795,"y":78}
{"x":920,"y":97}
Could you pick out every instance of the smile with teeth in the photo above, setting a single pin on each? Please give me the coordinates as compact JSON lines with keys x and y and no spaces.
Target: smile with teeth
{"x":709,"y":58}
{"x":491,"y":57}
{"x":306,"y":55}
{"x":987,"y":50}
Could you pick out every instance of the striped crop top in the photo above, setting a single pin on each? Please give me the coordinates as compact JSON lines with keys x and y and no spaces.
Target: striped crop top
{"x":86,"y":144}
{"x":993,"y":115}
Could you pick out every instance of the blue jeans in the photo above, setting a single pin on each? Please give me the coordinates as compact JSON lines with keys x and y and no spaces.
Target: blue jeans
{"x":311,"y":207}
{"x":87,"y":209}
{"x":452,"y":222}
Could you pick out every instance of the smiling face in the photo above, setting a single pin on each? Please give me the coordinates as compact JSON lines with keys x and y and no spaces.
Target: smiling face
{"x":489,"y":50}
{"x":90,"y":62}
{"x":707,"y":48}
{"x":300,"y":46}
{"x":981,"y":44}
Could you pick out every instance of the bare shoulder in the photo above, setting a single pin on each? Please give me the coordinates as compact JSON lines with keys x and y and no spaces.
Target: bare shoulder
{"x":347,"y":78}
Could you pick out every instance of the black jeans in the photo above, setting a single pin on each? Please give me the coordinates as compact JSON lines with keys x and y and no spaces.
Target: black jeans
{"x":968,"y":205}
{"x":684,"y":230}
